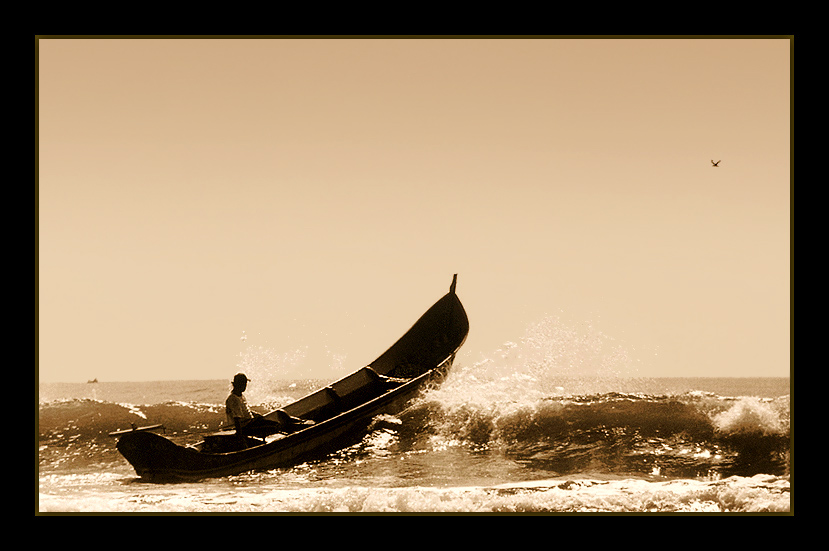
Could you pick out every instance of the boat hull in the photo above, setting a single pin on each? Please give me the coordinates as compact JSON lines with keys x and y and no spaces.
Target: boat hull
{"x":158,"y":458}
{"x":422,"y":357}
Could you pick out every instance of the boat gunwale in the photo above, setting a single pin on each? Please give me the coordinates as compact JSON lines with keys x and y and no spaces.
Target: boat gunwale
{"x":343,"y":415}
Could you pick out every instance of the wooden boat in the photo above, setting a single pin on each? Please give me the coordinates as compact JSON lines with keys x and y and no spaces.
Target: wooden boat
{"x":324,"y":421}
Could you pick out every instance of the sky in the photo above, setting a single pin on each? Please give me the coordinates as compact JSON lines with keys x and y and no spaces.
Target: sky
{"x":210,"y":205}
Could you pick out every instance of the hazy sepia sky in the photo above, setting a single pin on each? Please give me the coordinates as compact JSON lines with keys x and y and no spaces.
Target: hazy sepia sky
{"x":198,"y":197}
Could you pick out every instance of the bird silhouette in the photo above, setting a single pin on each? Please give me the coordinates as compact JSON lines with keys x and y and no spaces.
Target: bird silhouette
{"x":717,"y":163}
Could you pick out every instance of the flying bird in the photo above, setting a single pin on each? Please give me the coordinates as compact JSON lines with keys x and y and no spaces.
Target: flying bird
{"x":717,"y":163}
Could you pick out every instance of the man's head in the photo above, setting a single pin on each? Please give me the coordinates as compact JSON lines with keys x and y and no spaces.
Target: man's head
{"x":240,"y":382}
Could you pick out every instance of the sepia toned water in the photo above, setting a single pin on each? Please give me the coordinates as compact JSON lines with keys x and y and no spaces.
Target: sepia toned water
{"x":521,"y":432}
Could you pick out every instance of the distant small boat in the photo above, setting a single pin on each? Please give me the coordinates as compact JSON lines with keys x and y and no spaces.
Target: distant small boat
{"x":95,"y":380}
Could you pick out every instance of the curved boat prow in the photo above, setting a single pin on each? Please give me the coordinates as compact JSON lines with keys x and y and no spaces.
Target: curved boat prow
{"x":438,"y":334}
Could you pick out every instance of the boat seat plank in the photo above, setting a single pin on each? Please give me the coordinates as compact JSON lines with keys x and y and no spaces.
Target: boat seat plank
{"x":361,"y":386}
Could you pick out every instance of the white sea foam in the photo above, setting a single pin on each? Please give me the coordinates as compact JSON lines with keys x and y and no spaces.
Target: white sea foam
{"x":761,"y":493}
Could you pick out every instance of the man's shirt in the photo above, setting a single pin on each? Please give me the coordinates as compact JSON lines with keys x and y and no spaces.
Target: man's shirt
{"x":236,"y":406}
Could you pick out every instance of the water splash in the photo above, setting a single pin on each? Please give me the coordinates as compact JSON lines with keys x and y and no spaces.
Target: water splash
{"x":551,"y":359}
{"x":511,"y":395}
{"x":263,"y":365}
{"x":267,"y":367}
{"x":751,"y":416}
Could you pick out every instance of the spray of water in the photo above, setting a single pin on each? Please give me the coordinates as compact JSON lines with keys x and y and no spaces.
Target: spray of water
{"x":508,"y":393}
{"x":551,"y":359}
{"x":268,"y":369}
{"x":752,"y":416}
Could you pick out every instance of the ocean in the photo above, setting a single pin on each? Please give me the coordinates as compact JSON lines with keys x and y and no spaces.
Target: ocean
{"x":492,"y":439}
